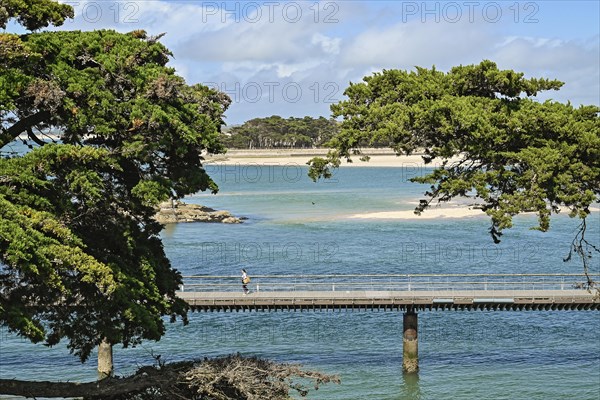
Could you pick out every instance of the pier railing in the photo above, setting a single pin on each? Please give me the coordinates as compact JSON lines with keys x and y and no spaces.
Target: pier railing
{"x":389,"y":282}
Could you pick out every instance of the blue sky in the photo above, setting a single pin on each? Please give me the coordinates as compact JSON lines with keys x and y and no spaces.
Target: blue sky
{"x":294,"y":58}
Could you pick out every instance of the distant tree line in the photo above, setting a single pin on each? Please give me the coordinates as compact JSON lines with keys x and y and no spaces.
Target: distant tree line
{"x":277,"y":132}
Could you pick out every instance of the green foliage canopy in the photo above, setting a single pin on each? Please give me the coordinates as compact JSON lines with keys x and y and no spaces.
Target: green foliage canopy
{"x":34,"y":14}
{"x":80,"y":253}
{"x":516,"y":154}
{"x":111,"y":90}
{"x":76,"y":265}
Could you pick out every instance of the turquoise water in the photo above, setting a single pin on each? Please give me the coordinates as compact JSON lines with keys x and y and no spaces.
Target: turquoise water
{"x":296,"y":226}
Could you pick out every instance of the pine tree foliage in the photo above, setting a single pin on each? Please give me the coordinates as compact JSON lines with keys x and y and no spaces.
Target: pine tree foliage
{"x":516,"y":154}
{"x":113,"y":131}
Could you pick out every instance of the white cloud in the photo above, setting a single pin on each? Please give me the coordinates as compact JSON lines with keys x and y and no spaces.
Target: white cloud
{"x":574,"y":62}
{"x":444,"y":45}
{"x":405,"y":45}
{"x":276,"y":38}
{"x":547,"y":54}
{"x":328,"y":44}
{"x":321,"y":52}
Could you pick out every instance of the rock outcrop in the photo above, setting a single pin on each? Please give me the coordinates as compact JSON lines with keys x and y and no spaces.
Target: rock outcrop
{"x":178,"y":211}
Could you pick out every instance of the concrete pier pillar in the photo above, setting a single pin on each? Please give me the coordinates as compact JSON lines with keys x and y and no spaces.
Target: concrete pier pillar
{"x":410,"y":342}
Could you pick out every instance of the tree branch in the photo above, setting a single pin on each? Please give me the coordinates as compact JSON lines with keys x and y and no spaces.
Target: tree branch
{"x":33,"y":137}
{"x":583,"y":248}
{"x":106,"y":387}
{"x":21,"y":126}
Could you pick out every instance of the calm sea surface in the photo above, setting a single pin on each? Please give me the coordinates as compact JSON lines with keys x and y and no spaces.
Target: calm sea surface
{"x":295,"y":226}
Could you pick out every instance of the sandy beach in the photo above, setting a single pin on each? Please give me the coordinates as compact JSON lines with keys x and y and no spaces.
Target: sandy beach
{"x":379,"y":158}
{"x":443,"y":212}
{"x":432,"y":213}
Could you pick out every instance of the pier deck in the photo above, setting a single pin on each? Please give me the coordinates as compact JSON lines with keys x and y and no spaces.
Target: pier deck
{"x":415,"y":292}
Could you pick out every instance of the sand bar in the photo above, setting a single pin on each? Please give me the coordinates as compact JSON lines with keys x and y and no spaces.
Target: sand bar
{"x":379,"y":158}
{"x":432,"y":213}
{"x":457,"y":211}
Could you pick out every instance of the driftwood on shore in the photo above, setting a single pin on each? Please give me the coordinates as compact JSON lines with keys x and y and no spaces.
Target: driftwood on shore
{"x":231,"y":377}
{"x":177,"y":211}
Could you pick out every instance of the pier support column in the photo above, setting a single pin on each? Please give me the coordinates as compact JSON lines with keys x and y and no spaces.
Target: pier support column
{"x":410,"y":342}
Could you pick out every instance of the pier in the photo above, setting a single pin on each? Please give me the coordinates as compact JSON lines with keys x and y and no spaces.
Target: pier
{"x":387,"y":292}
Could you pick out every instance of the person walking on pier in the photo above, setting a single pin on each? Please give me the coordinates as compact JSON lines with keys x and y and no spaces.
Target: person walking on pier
{"x":245,"y":281}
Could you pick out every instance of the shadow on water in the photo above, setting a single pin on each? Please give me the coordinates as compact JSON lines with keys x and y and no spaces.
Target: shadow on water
{"x":410,"y":388}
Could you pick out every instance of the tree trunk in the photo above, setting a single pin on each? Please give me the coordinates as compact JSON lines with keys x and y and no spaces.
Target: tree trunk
{"x":107,"y":387}
{"x":105,"y":360}
{"x":144,"y":378}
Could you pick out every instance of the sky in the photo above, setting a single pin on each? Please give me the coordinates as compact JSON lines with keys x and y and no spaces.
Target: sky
{"x":295,"y":58}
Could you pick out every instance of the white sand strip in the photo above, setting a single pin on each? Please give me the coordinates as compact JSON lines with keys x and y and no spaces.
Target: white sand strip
{"x":381,"y":158}
{"x":437,"y":212}
{"x":433,"y":213}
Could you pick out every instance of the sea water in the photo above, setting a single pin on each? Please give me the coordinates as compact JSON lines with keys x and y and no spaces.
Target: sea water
{"x":295,"y":227}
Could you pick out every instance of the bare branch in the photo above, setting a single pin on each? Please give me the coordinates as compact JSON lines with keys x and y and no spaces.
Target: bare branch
{"x":584,"y":249}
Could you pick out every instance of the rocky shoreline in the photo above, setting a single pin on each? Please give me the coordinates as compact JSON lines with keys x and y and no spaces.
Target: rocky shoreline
{"x":170,"y":213}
